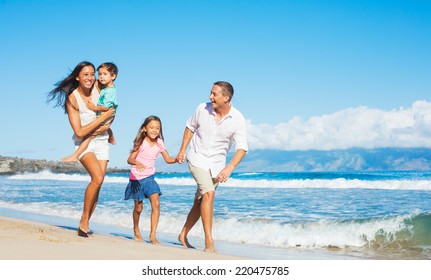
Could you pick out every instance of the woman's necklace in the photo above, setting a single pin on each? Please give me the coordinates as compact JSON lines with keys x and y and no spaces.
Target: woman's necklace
{"x":85,"y":98}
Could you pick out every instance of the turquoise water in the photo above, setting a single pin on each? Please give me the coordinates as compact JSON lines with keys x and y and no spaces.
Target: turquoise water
{"x":368,"y":215}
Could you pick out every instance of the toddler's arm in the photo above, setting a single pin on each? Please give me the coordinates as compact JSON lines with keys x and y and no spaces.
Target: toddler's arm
{"x":94,"y":108}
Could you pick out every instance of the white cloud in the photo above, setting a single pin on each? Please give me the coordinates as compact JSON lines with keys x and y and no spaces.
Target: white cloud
{"x":359,"y":127}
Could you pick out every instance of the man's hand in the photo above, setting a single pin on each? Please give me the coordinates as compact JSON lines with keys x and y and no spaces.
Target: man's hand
{"x":225,"y":174}
{"x":181,"y":157}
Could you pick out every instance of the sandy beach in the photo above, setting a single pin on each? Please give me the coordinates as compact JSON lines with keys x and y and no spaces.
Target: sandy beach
{"x":47,"y":251}
{"x":28,"y":240}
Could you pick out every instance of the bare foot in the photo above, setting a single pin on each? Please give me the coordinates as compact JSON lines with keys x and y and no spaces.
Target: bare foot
{"x":211,"y":250}
{"x":82,"y":233}
{"x":83,"y":226}
{"x":154,"y":240}
{"x":138,"y":236}
{"x":71,"y":158}
{"x":185,"y":242}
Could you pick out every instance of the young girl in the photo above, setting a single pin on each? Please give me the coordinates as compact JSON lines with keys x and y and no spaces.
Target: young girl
{"x":108,"y":99}
{"x":147,"y":145}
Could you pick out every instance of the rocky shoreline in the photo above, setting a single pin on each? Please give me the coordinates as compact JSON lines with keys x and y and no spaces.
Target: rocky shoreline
{"x":14,"y":165}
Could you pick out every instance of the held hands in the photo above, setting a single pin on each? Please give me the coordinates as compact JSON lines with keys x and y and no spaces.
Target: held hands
{"x":181,"y":157}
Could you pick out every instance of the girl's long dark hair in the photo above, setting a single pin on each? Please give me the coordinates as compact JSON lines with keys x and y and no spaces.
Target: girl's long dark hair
{"x":141,"y":133}
{"x":65,"y":87}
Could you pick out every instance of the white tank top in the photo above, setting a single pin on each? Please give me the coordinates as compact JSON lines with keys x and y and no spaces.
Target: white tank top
{"x":86,"y":115}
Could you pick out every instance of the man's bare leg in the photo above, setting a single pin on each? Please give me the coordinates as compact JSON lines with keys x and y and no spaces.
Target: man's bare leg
{"x":192,"y":218}
{"x":207,"y":213}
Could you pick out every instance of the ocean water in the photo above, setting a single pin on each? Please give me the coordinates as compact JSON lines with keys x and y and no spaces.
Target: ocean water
{"x":365,"y":215}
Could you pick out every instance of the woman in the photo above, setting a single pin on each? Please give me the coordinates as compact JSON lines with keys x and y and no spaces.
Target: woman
{"x":73,"y":93}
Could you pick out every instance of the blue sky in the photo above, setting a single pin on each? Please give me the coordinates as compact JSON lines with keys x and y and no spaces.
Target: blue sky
{"x":307,"y":74}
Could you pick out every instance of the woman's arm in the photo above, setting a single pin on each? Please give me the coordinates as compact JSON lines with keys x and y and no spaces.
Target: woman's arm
{"x":75,"y":120}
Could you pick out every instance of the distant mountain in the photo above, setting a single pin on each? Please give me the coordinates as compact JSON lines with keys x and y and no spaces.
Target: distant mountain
{"x":337,"y":160}
{"x":334,"y":160}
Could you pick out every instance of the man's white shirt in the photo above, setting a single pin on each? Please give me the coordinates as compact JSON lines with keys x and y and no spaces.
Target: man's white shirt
{"x":212,"y":140}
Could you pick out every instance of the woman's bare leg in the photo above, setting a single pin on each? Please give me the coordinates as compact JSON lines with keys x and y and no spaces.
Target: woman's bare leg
{"x":103,"y":165}
{"x":96,"y":169}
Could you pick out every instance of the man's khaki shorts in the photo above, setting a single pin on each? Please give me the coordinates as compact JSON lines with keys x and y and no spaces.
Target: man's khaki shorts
{"x":205,"y":182}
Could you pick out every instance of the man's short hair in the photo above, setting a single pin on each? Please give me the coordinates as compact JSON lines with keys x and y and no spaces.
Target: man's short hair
{"x":226,"y":87}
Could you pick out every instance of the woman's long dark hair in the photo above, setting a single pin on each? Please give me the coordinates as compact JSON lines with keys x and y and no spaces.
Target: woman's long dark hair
{"x":65,"y":87}
{"x":141,"y":133}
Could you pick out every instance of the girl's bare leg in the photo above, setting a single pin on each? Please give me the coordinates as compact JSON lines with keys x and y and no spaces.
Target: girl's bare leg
{"x":155,"y":214}
{"x":136,"y":216}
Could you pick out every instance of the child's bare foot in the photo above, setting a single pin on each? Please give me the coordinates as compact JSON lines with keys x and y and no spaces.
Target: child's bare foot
{"x":71,"y":158}
{"x":138,"y":236}
{"x":209,"y":246}
{"x":112,"y":141}
{"x":154,"y":241}
{"x":211,"y":250}
{"x":185,"y":242}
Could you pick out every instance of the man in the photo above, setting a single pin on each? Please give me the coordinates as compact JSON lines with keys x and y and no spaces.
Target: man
{"x":211,"y":131}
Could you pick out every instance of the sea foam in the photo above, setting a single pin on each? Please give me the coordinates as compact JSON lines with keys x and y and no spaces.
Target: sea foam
{"x":181,"y":180}
{"x":336,"y":233}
